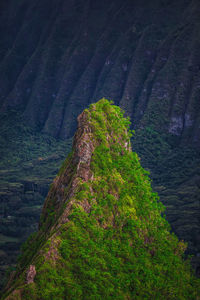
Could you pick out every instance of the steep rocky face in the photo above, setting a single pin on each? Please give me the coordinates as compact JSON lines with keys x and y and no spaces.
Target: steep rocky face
{"x":57,"y":56}
{"x":101,"y":232}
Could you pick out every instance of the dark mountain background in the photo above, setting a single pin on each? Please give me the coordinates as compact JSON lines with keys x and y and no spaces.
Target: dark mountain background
{"x":57,"y":57}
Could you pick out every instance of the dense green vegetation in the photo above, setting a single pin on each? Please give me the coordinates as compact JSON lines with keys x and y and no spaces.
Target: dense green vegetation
{"x":115,"y":244}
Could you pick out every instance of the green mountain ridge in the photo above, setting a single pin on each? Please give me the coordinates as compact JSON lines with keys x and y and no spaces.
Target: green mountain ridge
{"x":101,"y":233}
{"x":56,"y":57}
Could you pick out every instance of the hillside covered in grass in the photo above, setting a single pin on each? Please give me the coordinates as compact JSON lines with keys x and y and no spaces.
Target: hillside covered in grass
{"x":102,"y":234}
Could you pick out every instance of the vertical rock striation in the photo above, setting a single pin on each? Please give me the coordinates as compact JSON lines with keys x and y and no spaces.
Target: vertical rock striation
{"x":57,"y":56}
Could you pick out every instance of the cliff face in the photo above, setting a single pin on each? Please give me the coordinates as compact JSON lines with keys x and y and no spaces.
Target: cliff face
{"x":101,"y":233}
{"x":57,"y":56}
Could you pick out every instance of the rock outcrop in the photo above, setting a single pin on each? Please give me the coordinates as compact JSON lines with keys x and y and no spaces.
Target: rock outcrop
{"x":31,"y":274}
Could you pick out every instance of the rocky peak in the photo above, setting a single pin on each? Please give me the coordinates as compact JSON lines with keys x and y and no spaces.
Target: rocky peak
{"x":101,"y":232}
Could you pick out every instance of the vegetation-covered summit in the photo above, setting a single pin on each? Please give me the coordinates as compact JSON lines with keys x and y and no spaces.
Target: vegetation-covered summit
{"x":102,"y":234}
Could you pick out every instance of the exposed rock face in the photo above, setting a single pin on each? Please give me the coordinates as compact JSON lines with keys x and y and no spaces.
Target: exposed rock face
{"x":57,"y":56}
{"x":79,"y":169}
{"x":83,"y":148}
{"x":31,"y":274}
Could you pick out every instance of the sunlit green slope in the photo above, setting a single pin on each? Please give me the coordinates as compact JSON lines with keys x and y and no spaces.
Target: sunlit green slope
{"x":101,"y":234}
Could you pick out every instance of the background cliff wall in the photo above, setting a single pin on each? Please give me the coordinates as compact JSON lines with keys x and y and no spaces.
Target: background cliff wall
{"x":58,"y":56}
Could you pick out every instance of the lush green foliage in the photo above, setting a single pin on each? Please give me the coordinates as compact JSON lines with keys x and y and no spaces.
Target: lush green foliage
{"x":122,"y":248}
